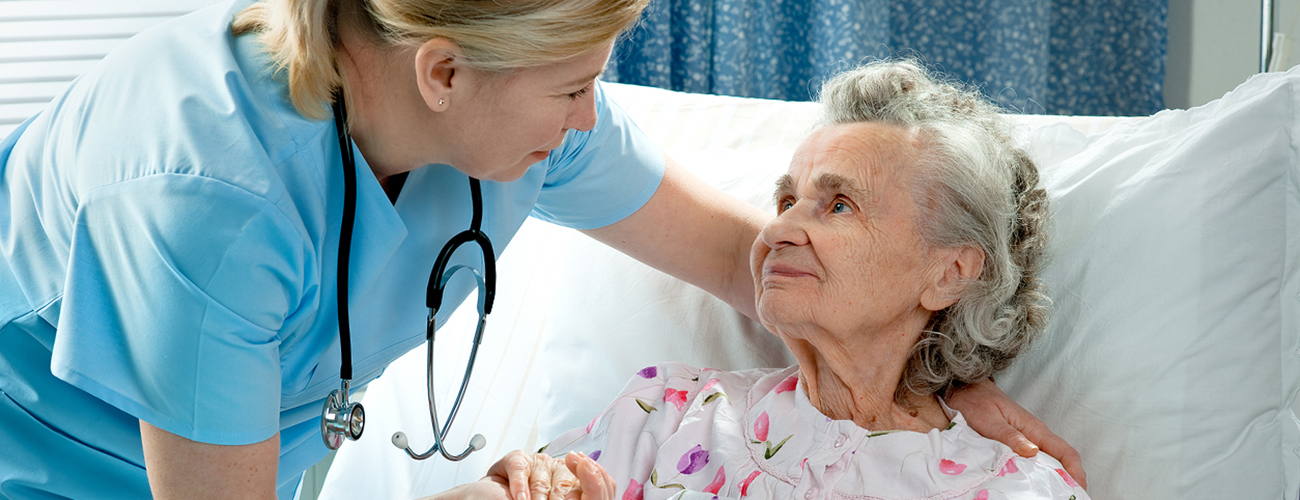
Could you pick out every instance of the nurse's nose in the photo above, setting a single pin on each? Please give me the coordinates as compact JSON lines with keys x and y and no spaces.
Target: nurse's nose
{"x":582,"y":112}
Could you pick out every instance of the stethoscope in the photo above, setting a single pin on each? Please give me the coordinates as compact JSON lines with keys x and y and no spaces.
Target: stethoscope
{"x":343,"y":419}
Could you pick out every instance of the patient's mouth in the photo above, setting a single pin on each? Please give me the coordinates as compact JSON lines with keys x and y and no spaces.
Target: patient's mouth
{"x":785,"y":271}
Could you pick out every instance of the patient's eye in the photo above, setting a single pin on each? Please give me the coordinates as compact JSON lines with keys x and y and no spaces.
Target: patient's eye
{"x":783,"y":205}
{"x":842,"y":205}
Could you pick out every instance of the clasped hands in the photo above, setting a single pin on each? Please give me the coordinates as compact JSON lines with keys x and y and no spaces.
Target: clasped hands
{"x":538,"y":476}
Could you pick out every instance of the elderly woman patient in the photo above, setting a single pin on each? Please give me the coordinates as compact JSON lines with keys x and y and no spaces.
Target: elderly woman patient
{"x":902,"y":262}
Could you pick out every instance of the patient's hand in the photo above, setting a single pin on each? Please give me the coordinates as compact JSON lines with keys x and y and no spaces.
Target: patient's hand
{"x":521,"y":476}
{"x":594,"y":482}
{"x":536,"y":476}
{"x":995,"y":415}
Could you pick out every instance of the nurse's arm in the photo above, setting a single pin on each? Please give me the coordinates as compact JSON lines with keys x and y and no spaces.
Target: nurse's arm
{"x":180,"y":468}
{"x":694,"y":232}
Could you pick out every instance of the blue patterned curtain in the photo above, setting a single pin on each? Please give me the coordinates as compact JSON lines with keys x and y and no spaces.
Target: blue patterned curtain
{"x":1078,"y":57}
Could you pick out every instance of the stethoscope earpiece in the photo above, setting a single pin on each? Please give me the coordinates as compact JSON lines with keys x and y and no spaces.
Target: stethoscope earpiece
{"x":476,"y":443}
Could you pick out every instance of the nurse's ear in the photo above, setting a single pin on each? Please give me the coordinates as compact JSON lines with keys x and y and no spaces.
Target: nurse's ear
{"x":440,"y":72}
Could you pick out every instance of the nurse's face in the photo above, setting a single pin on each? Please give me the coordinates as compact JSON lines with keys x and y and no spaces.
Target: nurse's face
{"x":508,"y":122}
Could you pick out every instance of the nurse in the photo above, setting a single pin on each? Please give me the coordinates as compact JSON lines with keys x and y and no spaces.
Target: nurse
{"x":170,"y":228}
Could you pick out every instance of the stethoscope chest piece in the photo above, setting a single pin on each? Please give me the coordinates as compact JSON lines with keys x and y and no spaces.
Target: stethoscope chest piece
{"x":341,"y":419}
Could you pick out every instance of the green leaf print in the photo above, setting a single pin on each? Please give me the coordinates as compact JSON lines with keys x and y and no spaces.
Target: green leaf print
{"x":771,"y":450}
{"x":714,"y":397}
{"x":645,"y":406}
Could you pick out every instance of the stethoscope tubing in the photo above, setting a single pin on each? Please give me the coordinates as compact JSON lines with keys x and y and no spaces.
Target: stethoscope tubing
{"x":345,"y":232}
{"x":440,"y":434}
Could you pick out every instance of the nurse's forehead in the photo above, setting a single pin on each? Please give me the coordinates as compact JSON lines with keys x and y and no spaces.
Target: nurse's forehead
{"x":584,"y":79}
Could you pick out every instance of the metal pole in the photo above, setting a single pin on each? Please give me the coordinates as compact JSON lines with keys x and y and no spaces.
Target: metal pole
{"x":1265,"y":34}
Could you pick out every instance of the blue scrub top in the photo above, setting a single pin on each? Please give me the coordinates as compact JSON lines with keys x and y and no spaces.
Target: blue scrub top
{"x":169,"y":227}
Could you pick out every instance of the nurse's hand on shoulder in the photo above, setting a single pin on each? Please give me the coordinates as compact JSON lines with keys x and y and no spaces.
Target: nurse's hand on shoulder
{"x":994,"y":415}
{"x":180,"y":468}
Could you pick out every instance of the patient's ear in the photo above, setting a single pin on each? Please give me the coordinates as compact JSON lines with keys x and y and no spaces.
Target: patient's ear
{"x":956,"y":267}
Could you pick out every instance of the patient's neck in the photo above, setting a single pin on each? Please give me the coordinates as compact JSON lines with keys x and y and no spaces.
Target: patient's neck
{"x":853,"y":383}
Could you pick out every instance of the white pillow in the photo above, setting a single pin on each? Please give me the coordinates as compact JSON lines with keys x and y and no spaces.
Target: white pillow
{"x":1170,"y":361}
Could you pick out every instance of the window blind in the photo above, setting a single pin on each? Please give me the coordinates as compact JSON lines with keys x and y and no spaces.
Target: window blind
{"x":45,"y":44}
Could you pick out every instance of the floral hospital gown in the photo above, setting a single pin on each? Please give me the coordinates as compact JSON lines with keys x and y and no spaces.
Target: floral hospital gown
{"x":682,"y":432}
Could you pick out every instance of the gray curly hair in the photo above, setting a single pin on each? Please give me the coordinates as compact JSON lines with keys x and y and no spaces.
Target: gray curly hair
{"x":974,"y":188}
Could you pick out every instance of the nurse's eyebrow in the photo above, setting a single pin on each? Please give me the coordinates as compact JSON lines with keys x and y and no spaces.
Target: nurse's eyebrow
{"x":574,"y":83}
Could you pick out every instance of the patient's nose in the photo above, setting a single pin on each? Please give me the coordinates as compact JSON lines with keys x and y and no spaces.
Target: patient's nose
{"x":787,"y":229}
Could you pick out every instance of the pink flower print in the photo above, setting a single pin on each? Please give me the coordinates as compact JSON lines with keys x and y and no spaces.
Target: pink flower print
{"x":787,"y":385}
{"x":592,"y":423}
{"x":633,"y":491}
{"x":649,"y":372}
{"x":760,"y":427}
{"x":718,"y":481}
{"x":709,"y":385}
{"x":693,"y":460}
{"x":744,"y":485}
{"x":676,"y":397}
{"x":950,"y":467}
{"x":1066,"y":476}
{"x":982,"y":495}
{"x":1009,"y":468}
{"x":803,"y":463}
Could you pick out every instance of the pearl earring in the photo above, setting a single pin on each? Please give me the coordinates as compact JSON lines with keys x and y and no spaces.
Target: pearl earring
{"x":441,"y":102}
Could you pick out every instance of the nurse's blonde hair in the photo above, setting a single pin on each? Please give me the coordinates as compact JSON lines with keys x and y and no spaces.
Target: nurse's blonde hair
{"x":493,"y":35}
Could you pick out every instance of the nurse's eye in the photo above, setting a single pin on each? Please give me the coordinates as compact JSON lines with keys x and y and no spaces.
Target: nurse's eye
{"x":573,"y":96}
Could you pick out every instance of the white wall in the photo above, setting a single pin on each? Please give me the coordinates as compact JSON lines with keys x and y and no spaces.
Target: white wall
{"x":1214,"y":46}
{"x":1288,"y":21}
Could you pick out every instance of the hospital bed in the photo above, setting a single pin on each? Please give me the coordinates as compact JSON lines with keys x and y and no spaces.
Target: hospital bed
{"x":1171,"y":360}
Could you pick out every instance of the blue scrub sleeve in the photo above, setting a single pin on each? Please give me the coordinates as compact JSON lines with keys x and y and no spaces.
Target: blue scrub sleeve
{"x":177,"y":287}
{"x":601,"y":176}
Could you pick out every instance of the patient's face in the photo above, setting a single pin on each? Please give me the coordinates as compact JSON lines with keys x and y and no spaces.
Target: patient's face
{"x":844,"y":253}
